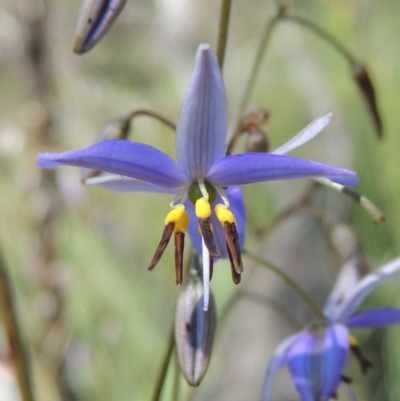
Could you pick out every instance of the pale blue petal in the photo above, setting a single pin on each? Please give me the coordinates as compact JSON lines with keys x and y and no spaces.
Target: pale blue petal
{"x":316,"y":361}
{"x":348,"y":278}
{"x":95,"y":19}
{"x":118,"y":183}
{"x":202,"y":128}
{"x":364,"y":287}
{"x":129,"y":159}
{"x":258,"y":167}
{"x":277,"y":361}
{"x":374,"y":318}
{"x":305,"y":135}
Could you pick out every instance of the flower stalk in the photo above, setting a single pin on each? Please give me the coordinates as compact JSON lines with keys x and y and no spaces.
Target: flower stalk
{"x":17,"y":349}
{"x":223,"y":31}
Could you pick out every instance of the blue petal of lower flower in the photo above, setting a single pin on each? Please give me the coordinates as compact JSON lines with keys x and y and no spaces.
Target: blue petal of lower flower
{"x":374,"y":318}
{"x":129,"y":159}
{"x":258,"y":167}
{"x":316,"y":361}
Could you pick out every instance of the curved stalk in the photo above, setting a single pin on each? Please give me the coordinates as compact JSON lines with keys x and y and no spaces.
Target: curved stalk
{"x":291,"y":283}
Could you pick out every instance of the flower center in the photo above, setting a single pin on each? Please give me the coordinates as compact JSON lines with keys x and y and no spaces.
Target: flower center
{"x":194,"y":192}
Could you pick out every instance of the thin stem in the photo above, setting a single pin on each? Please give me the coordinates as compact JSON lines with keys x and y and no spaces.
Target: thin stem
{"x":18,"y":352}
{"x":323,"y":34}
{"x":164,"y":366}
{"x":291,"y":283}
{"x":249,"y":88}
{"x":177,"y":381}
{"x":223,"y":31}
{"x":153,"y":114}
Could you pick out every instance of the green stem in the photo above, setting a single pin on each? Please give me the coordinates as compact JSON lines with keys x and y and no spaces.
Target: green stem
{"x":249,"y":88}
{"x":291,"y":283}
{"x":152,"y":114}
{"x":18,"y":352}
{"x":323,"y":34}
{"x":223,"y":31}
{"x":164,"y":366}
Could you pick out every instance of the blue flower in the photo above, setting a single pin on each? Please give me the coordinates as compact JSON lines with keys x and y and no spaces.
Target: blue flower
{"x":317,"y":355}
{"x":208,"y":202}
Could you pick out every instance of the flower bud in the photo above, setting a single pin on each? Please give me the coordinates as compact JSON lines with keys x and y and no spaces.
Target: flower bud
{"x":257,"y":142}
{"x":366,"y":87}
{"x":194,"y":329}
{"x":95,"y":19}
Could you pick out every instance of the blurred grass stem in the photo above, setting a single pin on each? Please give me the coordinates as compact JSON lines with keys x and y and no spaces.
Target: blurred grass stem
{"x":164,"y":366}
{"x":290,"y":282}
{"x":223,"y":31}
{"x":152,"y":114}
{"x":18,"y":352}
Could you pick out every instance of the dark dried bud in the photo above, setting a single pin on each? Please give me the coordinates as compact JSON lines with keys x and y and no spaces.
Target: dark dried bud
{"x":194,"y":329}
{"x":95,"y":19}
{"x":257,"y":142}
{"x":366,"y":87}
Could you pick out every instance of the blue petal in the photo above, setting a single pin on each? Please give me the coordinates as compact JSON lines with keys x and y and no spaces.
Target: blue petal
{"x":201,"y":130}
{"x":363,"y":288}
{"x":349,"y":276}
{"x":276,"y":362}
{"x":95,"y":19}
{"x":129,"y":159}
{"x":306,"y":134}
{"x":316,"y":361}
{"x":118,"y":183}
{"x":258,"y":167}
{"x":374,"y":318}
{"x":237,"y":207}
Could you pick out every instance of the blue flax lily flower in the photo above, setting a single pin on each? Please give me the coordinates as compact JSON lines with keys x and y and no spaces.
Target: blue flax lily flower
{"x":317,"y":355}
{"x":204,"y":180}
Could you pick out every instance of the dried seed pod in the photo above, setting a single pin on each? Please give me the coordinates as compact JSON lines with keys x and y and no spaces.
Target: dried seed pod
{"x":95,"y":19}
{"x":366,"y":87}
{"x":257,"y":142}
{"x":194,"y":329}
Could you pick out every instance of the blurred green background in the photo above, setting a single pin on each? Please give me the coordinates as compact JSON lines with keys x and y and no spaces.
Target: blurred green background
{"x":96,"y":320}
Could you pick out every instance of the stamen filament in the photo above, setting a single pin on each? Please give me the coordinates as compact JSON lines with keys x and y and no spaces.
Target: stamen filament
{"x":166,"y":235}
{"x":206,"y":275}
{"x":179,"y":246}
{"x":203,"y":189}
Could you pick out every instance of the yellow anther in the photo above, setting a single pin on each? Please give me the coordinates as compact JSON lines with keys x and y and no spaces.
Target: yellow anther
{"x":353,"y":341}
{"x":224,"y":214}
{"x":203,"y":209}
{"x":182,"y":224}
{"x":175,"y":214}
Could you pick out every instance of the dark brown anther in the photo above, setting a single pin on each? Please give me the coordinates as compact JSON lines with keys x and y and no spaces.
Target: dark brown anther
{"x":205,"y":227}
{"x":346,"y":379}
{"x":366,"y":86}
{"x":236,"y":277}
{"x":211,"y":266}
{"x":179,"y":245}
{"x":233,"y":246}
{"x":166,"y":235}
{"x":364,"y":362}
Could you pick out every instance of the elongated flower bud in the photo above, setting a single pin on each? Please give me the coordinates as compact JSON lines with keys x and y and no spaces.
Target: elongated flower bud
{"x":194,"y":330}
{"x":366,"y":87}
{"x":95,"y":19}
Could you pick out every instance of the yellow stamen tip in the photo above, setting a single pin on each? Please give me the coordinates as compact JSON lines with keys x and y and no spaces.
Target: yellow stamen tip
{"x":224,"y":214}
{"x":203,"y":209}
{"x":353,"y":341}
{"x":175,"y":214}
{"x":182,"y":224}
